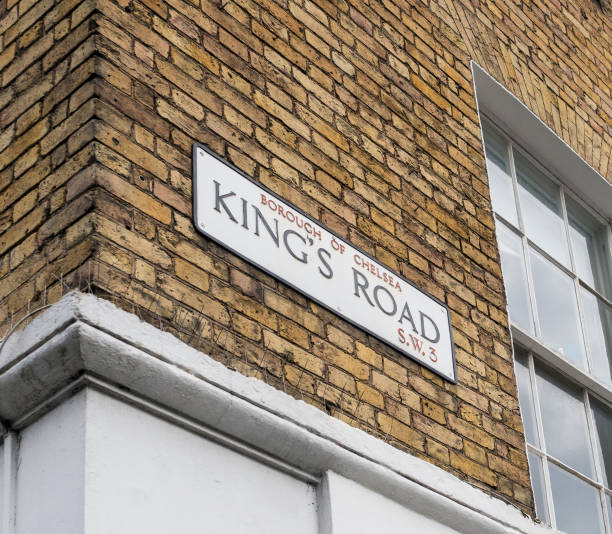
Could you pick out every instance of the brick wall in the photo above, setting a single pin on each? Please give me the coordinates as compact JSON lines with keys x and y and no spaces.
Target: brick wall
{"x":361,"y":114}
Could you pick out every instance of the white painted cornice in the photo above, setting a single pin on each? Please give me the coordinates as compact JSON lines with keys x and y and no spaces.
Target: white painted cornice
{"x":83,"y":340}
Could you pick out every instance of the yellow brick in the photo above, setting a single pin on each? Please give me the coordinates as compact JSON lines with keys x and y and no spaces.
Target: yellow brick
{"x":368,"y":394}
{"x":196,"y":300}
{"x":335,"y":356}
{"x":434,"y":411}
{"x":386,"y":385}
{"x":188,"y":272}
{"x":187,"y":104}
{"x":294,"y":354}
{"x":437,"y":451}
{"x":400,"y":431}
{"x":244,"y":304}
{"x":291,"y":331}
{"x":133,"y":242}
{"x":134,"y":196}
{"x":473,"y":469}
{"x":144,"y":272}
{"x":293,"y":311}
{"x":246,"y":327}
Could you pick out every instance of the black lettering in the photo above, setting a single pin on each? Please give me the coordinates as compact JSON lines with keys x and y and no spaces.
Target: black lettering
{"x":329,"y":274}
{"x":220,"y":201}
{"x":434,"y":339}
{"x":258,"y":217}
{"x":361,"y":284}
{"x":286,"y":234}
{"x":245,"y":223}
{"x":407,"y":315}
{"x":378,"y":289}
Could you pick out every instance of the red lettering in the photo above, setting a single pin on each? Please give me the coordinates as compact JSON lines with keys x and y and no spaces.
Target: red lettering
{"x":263,"y":199}
{"x":416,"y":343}
{"x":400,"y":333}
{"x":433,"y":356}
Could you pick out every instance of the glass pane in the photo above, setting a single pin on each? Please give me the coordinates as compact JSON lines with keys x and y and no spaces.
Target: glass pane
{"x":598,"y":326}
{"x":541,"y":208}
{"x":539,"y":491}
{"x":588,"y":237}
{"x":525,"y":396}
{"x":609,"y":502}
{"x":557,"y":309}
{"x":577,"y":505}
{"x":564,"y":421}
{"x":603,"y":424}
{"x":500,"y":180}
{"x":515,"y":277}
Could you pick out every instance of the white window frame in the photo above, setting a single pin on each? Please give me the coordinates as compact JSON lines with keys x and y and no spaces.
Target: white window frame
{"x":546,"y":458}
{"x":581,"y":376}
{"x":554,"y":158}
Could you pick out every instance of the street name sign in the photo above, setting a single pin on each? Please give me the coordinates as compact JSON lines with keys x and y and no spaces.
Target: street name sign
{"x":259,"y":226}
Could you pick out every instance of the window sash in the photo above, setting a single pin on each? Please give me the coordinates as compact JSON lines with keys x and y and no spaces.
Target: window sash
{"x":545,"y":458}
{"x":570,"y":270}
{"x":598,"y":286}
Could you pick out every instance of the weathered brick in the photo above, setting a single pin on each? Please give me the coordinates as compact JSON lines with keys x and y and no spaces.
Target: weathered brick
{"x":294,"y":354}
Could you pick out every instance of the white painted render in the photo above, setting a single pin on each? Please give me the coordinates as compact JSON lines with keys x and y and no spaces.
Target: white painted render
{"x":2,"y":475}
{"x":169,"y":404}
{"x":355,"y":509}
{"x":158,"y":478}
{"x":49,"y":490}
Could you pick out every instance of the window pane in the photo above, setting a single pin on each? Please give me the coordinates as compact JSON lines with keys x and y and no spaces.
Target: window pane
{"x":603,"y":424}
{"x":500,"y":181}
{"x":564,"y":421}
{"x":577,"y":505}
{"x":539,"y":491}
{"x":557,"y":309}
{"x":598,"y":326}
{"x":525,"y":396}
{"x":515,"y":277}
{"x":609,"y":502}
{"x":588,"y":245}
{"x":541,"y":208}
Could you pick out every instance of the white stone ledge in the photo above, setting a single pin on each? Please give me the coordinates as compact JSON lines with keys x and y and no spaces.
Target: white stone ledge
{"x":86,"y":336}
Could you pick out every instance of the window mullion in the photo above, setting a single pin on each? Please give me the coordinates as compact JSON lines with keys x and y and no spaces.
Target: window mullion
{"x":583,"y":332}
{"x":567,"y":228}
{"x":585,"y":341}
{"x":519,"y":214}
{"x":540,"y":428}
{"x":603,"y":494}
{"x":524,"y":243}
{"x":592,"y":433}
{"x":530,"y":287}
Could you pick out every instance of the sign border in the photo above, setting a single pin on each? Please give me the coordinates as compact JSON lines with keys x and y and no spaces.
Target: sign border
{"x":199,"y":146}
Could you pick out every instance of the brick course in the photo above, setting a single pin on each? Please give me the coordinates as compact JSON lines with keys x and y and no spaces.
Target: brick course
{"x":362,"y":114}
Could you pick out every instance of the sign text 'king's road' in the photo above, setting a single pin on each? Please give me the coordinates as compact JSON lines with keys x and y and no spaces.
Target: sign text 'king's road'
{"x":277,"y":237}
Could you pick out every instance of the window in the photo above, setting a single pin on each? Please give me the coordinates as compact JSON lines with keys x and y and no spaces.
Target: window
{"x":556,"y":255}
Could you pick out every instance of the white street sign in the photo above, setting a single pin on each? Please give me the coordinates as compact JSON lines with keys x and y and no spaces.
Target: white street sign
{"x":274,"y":235}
